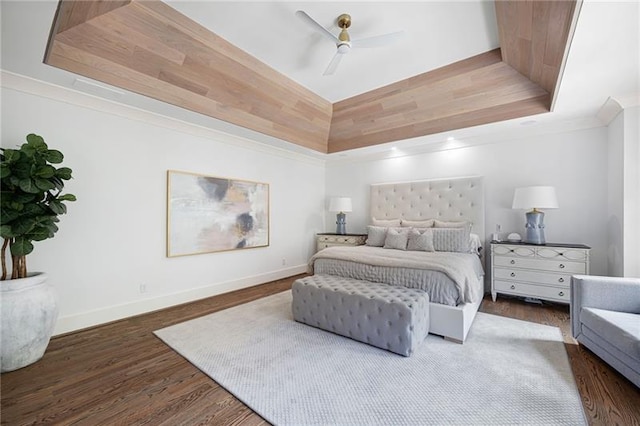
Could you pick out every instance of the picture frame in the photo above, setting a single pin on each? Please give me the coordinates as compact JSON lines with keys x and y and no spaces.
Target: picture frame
{"x":208,"y":214}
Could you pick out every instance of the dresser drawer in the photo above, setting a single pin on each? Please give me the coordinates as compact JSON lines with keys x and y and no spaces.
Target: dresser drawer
{"x":532,"y":290}
{"x":539,"y":264}
{"x":335,"y":239}
{"x":511,"y":274}
{"x":577,"y":255}
{"x":329,"y":240}
{"x":520,"y":251}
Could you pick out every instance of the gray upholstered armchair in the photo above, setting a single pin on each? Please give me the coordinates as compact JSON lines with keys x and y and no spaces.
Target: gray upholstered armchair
{"x":605,"y":317}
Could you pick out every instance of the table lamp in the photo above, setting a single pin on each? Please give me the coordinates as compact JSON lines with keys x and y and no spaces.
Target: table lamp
{"x":340,"y":205}
{"x":535,"y":197}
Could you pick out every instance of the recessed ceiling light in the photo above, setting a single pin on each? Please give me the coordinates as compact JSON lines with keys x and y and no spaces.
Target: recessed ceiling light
{"x":450,"y":138}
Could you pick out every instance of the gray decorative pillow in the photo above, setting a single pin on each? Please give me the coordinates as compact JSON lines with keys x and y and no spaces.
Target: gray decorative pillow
{"x":420,"y":239}
{"x":376,"y":236}
{"x":427,"y":223}
{"x":396,"y":239}
{"x":385,"y":222}
{"x":451,"y":239}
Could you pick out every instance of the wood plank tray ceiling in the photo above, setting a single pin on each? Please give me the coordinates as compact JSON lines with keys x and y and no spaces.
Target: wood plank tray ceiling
{"x":151,"y":49}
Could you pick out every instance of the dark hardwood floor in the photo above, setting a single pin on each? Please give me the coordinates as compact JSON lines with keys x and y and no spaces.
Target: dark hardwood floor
{"x":120,"y":373}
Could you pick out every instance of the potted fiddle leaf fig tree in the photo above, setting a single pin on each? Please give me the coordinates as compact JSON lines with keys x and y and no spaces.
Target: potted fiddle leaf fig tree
{"x":30,"y":202}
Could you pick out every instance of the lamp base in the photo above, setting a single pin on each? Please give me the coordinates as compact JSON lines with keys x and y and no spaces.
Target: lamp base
{"x":341,"y":222}
{"x":535,"y":228}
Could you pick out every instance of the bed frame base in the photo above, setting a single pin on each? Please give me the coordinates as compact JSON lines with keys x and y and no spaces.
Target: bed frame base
{"x":452,"y":322}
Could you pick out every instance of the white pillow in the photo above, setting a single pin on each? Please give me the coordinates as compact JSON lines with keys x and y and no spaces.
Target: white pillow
{"x":451,"y":239}
{"x":385,"y":222}
{"x":376,"y":236}
{"x":396,"y":239}
{"x":452,"y":224}
{"x":420,"y":239}
{"x":428,"y":223}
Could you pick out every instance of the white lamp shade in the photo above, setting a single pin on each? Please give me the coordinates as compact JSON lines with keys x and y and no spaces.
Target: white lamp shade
{"x":535,"y":197}
{"x":340,"y":204}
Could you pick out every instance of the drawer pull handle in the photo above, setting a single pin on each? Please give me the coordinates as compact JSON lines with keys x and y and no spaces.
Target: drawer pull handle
{"x":513,"y":287}
{"x":561,"y":280}
{"x":513,"y":262}
{"x":561,"y":293}
{"x":562,"y":266}
{"x":513,"y":274}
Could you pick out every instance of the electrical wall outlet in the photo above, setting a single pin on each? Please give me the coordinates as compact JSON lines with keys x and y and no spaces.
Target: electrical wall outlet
{"x":284,"y":261}
{"x":143,"y":288}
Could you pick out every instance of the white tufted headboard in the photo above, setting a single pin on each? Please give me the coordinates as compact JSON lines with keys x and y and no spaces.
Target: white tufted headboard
{"x":444,"y":199}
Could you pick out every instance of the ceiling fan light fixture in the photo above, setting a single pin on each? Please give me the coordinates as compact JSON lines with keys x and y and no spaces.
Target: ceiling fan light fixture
{"x":344,"y":48}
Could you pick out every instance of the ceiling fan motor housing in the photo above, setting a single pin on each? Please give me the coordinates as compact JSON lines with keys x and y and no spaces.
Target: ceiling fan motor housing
{"x":344,"y":22}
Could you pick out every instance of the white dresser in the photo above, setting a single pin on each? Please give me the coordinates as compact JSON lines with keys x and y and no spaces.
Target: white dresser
{"x":537,"y":271}
{"x":328,"y":240}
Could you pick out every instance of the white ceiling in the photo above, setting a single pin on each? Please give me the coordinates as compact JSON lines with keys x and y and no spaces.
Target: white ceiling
{"x":603,"y":59}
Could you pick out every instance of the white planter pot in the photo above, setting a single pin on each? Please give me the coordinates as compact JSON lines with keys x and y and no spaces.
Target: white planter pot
{"x":29,"y":314}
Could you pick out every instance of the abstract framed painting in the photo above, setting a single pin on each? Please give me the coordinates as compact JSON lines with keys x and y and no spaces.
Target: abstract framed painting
{"x":208,"y":214}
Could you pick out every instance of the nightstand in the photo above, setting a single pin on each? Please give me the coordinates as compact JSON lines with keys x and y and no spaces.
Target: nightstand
{"x":536,"y":271}
{"x":325,"y":240}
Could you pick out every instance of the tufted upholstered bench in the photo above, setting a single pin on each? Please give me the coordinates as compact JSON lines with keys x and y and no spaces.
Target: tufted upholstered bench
{"x":388,"y":317}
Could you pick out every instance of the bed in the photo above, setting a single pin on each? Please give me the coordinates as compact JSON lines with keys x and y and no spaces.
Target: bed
{"x":454,"y":280}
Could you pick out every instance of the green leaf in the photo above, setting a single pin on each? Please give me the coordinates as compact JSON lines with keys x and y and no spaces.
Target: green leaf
{"x":54,"y":156}
{"x":34,"y":139}
{"x":22,"y":169}
{"x":6,"y":231}
{"x":8,"y":215}
{"x":14,"y":205}
{"x":33,"y":210}
{"x":46,"y":171}
{"x":64,"y":173}
{"x":53,"y":228}
{"x":37,"y":143}
{"x":11,"y":155}
{"x":5,"y":171}
{"x":44,"y":184}
{"x":66,"y":197}
{"x":22,"y":226}
{"x":28,"y":185}
{"x":21,"y":247}
{"x":28,"y":150}
{"x":57,"y":207}
{"x":39,"y":234}
{"x":23,"y":198}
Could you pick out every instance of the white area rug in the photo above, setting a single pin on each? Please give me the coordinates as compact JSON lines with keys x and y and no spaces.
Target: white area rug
{"x":507,"y":372}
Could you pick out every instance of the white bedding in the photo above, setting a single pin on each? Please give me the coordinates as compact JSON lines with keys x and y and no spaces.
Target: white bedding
{"x":463,"y":270}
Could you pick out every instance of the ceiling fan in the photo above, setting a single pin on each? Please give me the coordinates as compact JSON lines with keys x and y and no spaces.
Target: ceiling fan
{"x":343,"y":40}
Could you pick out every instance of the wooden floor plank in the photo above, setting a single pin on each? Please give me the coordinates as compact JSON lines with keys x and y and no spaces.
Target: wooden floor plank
{"x":120,"y":373}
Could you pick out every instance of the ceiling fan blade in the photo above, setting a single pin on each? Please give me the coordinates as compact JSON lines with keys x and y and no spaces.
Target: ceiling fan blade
{"x":335,"y":61}
{"x":379,"y":41}
{"x":319,"y":28}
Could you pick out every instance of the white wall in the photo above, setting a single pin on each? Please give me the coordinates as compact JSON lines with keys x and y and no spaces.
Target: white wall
{"x":114,"y":237}
{"x":574,"y":162}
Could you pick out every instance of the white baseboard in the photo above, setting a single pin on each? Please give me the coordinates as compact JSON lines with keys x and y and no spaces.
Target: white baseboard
{"x":101,"y":316}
